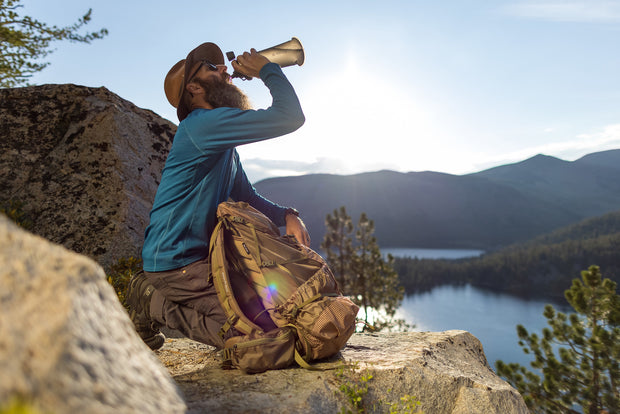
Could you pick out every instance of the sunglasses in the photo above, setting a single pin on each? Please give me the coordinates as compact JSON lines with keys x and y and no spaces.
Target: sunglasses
{"x":209,"y":65}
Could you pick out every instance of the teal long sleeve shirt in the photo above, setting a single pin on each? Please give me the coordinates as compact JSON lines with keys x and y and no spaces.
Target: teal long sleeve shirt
{"x":203,"y":169}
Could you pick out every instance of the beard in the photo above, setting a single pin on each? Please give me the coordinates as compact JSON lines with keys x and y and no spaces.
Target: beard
{"x":219,"y":93}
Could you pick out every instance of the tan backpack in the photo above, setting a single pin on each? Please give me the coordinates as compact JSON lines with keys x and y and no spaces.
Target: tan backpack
{"x":278,"y":294}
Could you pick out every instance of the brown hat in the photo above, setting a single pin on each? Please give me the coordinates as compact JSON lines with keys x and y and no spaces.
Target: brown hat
{"x":174,"y":84}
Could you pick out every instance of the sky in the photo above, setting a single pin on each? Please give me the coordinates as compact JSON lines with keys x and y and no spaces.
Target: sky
{"x":451,"y":86}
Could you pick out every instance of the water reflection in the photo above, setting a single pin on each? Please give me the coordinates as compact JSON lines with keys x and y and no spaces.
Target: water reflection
{"x":491,"y":317}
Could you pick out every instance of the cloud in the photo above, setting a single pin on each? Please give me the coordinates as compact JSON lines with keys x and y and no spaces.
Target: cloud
{"x":583,"y":11}
{"x":604,"y":139}
{"x":259,"y":169}
{"x":608,"y":138}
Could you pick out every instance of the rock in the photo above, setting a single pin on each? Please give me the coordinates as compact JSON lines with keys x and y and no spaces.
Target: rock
{"x":446,"y":371}
{"x":85,"y":164}
{"x":66,"y":343}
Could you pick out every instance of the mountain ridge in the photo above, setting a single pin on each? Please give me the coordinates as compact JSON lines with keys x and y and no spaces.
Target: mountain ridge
{"x":489,"y":209}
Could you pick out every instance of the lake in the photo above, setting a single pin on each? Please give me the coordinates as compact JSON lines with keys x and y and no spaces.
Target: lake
{"x":490,"y":316}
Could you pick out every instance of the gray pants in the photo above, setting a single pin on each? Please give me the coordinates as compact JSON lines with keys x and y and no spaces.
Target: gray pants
{"x":185,"y":300}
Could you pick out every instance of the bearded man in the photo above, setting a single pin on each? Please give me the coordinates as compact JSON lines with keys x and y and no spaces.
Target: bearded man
{"x":202,"y":170}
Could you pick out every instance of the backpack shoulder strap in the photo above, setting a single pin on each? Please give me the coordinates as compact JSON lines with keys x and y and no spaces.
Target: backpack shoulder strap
{"x":223,"y":286}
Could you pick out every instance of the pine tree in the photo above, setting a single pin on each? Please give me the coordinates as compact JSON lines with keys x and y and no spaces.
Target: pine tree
{"x":23,"y":40}
{"x":376,"y":286}
{"x":391,"y":293}
{"x":587,"y":372}
{"x":362,"y":272}
{"x":364,"y":264}
{"x":338,"y":246}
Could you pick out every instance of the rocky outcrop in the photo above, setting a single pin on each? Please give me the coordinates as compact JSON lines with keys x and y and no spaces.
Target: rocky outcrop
{"x":84,"y":163}
{"x":446,"y":371}
{"x":66,"y":343}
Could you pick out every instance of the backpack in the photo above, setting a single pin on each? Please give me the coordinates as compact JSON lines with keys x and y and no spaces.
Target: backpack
{"x":279,"y":295}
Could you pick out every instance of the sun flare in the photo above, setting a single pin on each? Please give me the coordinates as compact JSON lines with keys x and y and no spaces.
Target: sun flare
{"x":360,"y":121}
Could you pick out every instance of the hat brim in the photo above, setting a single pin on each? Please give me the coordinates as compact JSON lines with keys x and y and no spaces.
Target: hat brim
{"x":174,"y":83}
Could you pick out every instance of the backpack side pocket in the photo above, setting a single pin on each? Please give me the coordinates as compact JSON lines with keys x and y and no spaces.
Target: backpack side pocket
{"x":260,"y":352}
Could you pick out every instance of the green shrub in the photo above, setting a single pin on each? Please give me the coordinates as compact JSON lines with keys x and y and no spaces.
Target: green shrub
{"x":120,"y":274}
{"x":14,"y":210}
{"x":19,"y":406}
{"x":407,"y":404}
{"x":354,"y":383}
{"x":354,"y":386}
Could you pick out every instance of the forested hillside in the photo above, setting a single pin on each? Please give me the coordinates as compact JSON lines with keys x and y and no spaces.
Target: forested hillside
{"x":542,"y":267}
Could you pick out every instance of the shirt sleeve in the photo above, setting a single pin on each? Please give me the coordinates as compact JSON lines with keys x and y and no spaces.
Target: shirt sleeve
{"x":220,"y":129}
{"x":244,"y":191}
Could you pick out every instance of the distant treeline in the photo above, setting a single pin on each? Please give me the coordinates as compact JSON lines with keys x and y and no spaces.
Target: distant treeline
{"x":543,"y":267}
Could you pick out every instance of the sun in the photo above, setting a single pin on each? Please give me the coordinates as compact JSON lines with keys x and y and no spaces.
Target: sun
{"x":367,"y":120}
{"x":357,"y":120}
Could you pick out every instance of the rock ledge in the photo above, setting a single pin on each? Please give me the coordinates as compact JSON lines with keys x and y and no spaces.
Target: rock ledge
{"x":447,"y":371}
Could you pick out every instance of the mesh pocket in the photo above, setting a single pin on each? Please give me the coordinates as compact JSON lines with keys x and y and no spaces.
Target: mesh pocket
{"x":325,"y":326}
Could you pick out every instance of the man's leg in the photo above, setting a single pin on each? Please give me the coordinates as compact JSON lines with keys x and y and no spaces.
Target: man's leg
{"x":139,"y":296}
{"x":185,"y":300}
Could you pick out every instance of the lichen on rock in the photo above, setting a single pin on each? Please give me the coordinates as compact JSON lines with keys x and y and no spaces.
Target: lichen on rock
{"x":84,"y":163}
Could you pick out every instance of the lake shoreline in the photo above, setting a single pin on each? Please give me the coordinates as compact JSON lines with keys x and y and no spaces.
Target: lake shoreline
{"x":431,"y":253}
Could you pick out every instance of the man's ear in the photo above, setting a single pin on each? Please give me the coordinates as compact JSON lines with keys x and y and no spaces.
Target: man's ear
{"x":193,"y":88}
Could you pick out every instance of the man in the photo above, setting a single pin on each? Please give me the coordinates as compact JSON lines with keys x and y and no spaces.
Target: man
{"x":202,"y":170}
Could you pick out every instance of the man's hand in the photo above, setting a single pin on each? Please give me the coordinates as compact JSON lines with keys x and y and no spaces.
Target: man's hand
{"x":297,"y":228}
{"x":250,"y":63}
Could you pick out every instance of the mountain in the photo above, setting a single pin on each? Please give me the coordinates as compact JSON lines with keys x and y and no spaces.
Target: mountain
{"x":609,"y":158}
{"x":589,"y":186}
{"x":488,"y":209}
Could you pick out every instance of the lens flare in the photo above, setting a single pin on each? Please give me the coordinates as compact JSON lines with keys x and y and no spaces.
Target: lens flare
{"x":271,"y":290}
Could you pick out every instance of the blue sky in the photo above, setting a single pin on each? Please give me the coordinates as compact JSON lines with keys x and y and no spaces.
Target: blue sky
{"x":452,"y":86}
